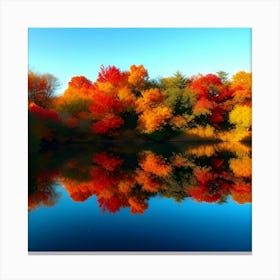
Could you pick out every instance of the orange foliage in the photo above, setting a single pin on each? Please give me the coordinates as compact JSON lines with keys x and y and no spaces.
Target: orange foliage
{"x":78,"y":191}
{"x":153,"y":119}
{"x":137,"y":205}
{"x":137,"y":75}
{"x":242,"y":193}
{"x":147,"y":182}
{"x":241,"y":167}
{"x":152,"y":95}
{"x":203,"y":106}
{"x":155,"y":164}
{"x":150,"y":98}
{"x":126,"y":184}
{"x":178,"y":121}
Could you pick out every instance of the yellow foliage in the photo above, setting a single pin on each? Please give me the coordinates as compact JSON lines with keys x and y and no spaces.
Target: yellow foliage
{"x":202,"y":150}
{"x":241,"y":116}
{"x":238,"y":148}
{"x":234,"y":134}
{"x":207,"y":131}
{"x":152,"y":119}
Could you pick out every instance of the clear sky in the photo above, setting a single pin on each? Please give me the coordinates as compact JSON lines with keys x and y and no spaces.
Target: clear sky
{"x":68,"y":52}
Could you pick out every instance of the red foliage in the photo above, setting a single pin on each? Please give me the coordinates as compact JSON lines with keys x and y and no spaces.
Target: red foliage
{"x":80,"y":82}
{"x":80,"y":195}
{"x":109,"y":162}
{"x":108,"y":123}
{"x":201,"y":194}
{"x":44,"y":114}
{"x":103,"y":103}
{"x":102,"y":179}
{"x":202,"y":85}
{"x":217,"y":164}
{"x":211,"y":191}
{"x":112,"y":204}
{"x":203,"y":176}
{"x":222,"y":93}
{"x":217,"y":116}
{"x":109,"y":74}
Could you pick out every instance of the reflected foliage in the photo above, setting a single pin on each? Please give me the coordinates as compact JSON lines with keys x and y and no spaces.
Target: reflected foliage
{"x":123,"y":176}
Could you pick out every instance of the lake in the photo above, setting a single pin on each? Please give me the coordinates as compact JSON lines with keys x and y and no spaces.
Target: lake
{"x":149,"y":197}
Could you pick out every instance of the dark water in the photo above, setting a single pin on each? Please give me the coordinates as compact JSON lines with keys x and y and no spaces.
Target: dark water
{"x":123,"y":197}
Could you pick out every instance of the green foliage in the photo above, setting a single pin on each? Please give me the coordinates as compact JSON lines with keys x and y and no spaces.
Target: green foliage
{"x":223,"y":76}
{"x":74,"y":106}
{"x":178,"y":80}
{"x":180,"y":100}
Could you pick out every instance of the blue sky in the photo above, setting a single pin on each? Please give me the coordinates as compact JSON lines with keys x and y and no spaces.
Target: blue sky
{"x":68,"y":52}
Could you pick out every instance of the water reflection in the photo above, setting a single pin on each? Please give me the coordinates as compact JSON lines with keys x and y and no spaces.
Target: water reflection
{"x":128,"y":176}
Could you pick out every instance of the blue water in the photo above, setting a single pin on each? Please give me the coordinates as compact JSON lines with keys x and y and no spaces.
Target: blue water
{"x":165,"y":226}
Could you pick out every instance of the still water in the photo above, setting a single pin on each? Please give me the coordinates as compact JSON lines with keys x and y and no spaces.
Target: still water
{"x":152,"y":197}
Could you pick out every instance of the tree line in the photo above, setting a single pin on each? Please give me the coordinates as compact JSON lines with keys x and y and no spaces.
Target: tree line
{"x":128,"y":104}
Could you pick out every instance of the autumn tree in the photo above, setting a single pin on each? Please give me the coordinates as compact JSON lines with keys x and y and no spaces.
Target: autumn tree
{"x":179,"y":98}
{"x":41,"y":88}
{"x":109,"y":99}
{"x":137,"y":78}
{"x":213,"y":104}
{"x":241,"y":87}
